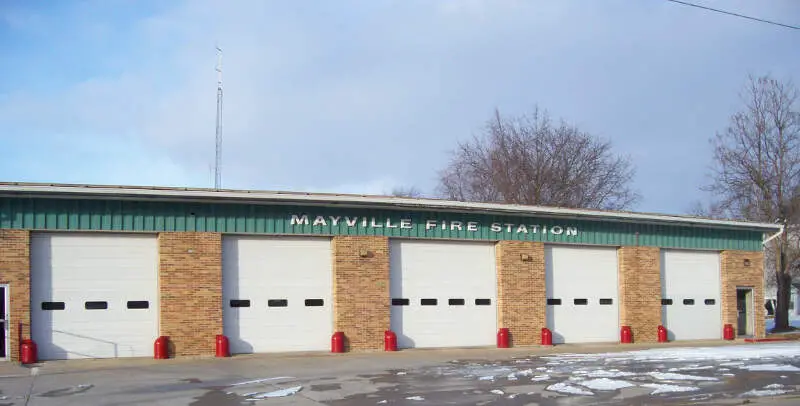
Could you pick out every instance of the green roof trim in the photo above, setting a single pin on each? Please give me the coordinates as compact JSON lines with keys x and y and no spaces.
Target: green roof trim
{"x":108,"y":214}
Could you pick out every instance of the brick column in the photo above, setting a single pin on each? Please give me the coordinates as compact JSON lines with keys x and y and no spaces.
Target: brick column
{"x":743,"y":269}
{"x":640,"y":291}
{"x":521,"y":290}
{"x":190,"y":284}
{"x":15,"y":271}
{"x":361,"y":290}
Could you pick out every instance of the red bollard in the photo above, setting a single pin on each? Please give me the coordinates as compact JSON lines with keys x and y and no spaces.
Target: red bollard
{"x":626,"y":335}
{"x":727,"y":332}
{"x":27,"y":352}
{"x":662,"y":334}
{"x":389,"y":341}
{"x":223,"y":348}
{"x":337,"y":342}
{"x":503,"y":338}
{"x":547,"y":336}
{"x":160,"y":348}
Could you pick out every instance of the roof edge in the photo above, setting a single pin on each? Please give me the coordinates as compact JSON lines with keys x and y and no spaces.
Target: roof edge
{"x":197,"y":194}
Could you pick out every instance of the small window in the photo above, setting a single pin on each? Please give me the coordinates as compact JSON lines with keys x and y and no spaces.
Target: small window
{"x":53,"y":306}
{"x":428,"y":302}
{"x":580,"y":302}
{"x":554,"y":302}
{"x":314,"y":302}
{"x":277,"y":303}
{"x":455,"y":302}
{"x":240,"y":303}
{"x":483,"y":302}
{"x":138,"y":304}
{"x":688,"y":302}
{"x":606,"y":301}
{"x":710,"y":302}
{"x":400,"y":302}
{"x":666,"y":302}
{"x":95,"y":305}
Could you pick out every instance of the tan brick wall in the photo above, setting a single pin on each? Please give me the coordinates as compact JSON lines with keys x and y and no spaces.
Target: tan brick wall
{"x":15,"y":270}
{"x":361,"y":302}
{"x":735,"y":273}
{"x":640,"y":291}
{"x":190,"y":286}
{"x":521,"y":290}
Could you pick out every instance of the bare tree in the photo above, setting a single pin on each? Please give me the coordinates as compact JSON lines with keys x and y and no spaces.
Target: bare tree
{"x":406,"y":192}
{"x":530,"y":160}
{"x":756,"y":172}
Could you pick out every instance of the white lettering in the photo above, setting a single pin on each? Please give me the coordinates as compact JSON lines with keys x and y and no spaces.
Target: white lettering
{"x":389,"y":224}
{"x":455,"y":225}
{"x":299,"y":220}
{"x":572,"y":231}
{"x":335,"y":220}
{"x":544,"y":229}
{"x":534,"y":228}
{"x":320,"y":221}
{"x":472,"y":226}
{"x":374,"y":224}
{"x":405,"y":223}
{"x":351,"y":222}
{"x":429,"y":224}
{"x":508,"y":226}
{"x":522,"y":229}
{"x":364,"y":222}
{"x":444,"y":224}
{"x":556,"y":230}
{"x":496,"y":227}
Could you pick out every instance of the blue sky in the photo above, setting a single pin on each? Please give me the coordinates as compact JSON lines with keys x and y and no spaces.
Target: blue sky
{"x":362,"y":96}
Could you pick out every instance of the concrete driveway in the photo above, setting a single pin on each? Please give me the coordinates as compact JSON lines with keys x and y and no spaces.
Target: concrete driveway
{"x":706,"y":373}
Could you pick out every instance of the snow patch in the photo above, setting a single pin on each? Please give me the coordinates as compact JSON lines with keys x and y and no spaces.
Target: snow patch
{"x":383,"y":402}
{"x":688,"y":354}
{"x":539,"y":378}
{"x":418,"y":398}
{"x":512,"y":396}
{"x":728,"y":375}
{"x":690,"y":368}
{"x":541,"y":369}
{"x":612,"y":373}
{"x":760,"y":393}
{"x":486,"y":378}
{"x":774,"y":386}
{"x":276,"y":394}
{"x":497,"y":392}
{"x":771,"y":367}
{"x":402,"y":373}
{"x":663,"y":388}
{"x":261,"y":380}
{"x":562,"y":387}
{"x":668,"y":376}
{"x":527,"y":372}
{"x":606,"y":384}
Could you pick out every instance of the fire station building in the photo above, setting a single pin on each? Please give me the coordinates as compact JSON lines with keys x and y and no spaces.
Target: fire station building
{"x":103,"y":271}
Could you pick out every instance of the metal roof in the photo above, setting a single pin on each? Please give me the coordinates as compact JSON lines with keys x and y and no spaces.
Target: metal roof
{"x":54,"y":190}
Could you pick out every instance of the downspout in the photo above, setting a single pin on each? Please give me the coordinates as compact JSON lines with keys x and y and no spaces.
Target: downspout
{"x":773,"y":236}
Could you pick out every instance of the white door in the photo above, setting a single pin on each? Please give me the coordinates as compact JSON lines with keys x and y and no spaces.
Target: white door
{"x":443,"y":293}
{"x":690,"y":294}
{"x":582,"y":293}
{"x":277,"y":293}
{"x":94,"y":295}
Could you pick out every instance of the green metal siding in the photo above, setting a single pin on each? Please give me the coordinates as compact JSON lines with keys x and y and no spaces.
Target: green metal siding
{"x":145,"y":216}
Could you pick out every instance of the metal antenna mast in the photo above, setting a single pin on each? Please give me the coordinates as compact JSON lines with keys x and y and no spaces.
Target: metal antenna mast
{"x":218,"y":149}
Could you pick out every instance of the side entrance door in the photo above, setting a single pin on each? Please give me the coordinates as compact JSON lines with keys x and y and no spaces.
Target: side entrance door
{"x":3,"y":320}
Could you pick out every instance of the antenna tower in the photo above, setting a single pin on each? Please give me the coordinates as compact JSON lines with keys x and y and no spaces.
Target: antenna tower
{"x":218,"y":145}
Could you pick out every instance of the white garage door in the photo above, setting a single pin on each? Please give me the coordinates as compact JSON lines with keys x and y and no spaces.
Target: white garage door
{"x":443,"y":293}
{"x":277,"y":293}
{"x":582,"y":294}
{"x":94,"y":295}
{"x":690,"y":292}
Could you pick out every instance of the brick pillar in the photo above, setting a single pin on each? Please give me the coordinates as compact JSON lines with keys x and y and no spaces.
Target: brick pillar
{"x":190,"y":284}
{"x":15,"y":271}
{"x":521,"y":290}
{"x":744,"y":269}
{"x":640,"y":291}
{"x":361,"y":290}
